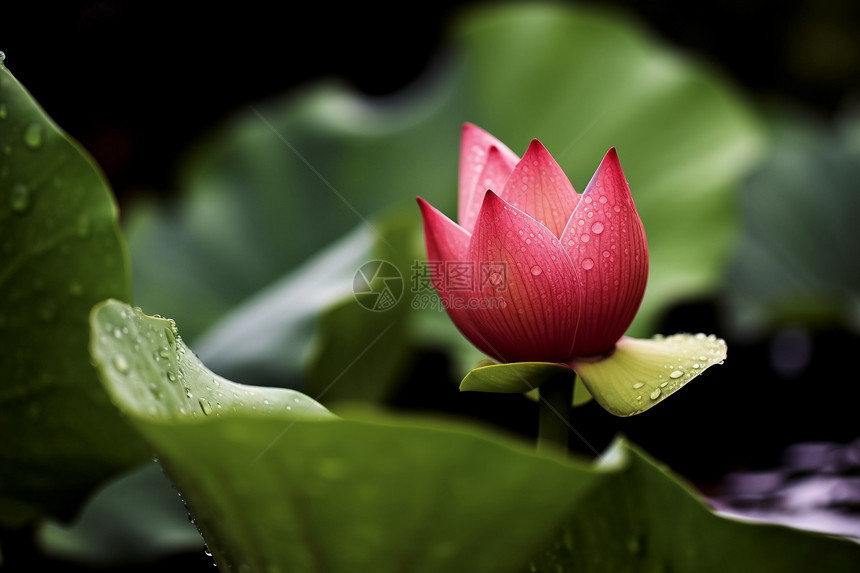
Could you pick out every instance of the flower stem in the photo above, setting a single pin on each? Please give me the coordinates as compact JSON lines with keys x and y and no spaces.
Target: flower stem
{"x":556,"y":404}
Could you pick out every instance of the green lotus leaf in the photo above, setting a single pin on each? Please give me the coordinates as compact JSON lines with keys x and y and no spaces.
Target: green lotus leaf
{"x":62,"y":253}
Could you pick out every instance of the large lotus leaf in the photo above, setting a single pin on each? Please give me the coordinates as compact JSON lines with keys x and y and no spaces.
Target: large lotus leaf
{"x":644,"y":519}
{"x":797,"y":258}
{"x":290,"y":175}
{"x":275,"y":483}
{"x":62,"y":252}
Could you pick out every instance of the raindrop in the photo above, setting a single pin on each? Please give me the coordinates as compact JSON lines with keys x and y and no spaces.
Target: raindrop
{"x":676,"y":374}
{"x":570,"y":243}
{"x":120,"y":363}
{"x":205,"y":406}
{"x":585,"y":238}
{"x":587,"y":264}
{"x":188,"y":393}
{"x":638,"y":385}
{"x":664,"y":384}
{"x":606,"y":254}
{"x":655,"y":394}
{"x":603,"y":199}
{"x":597,"y":228}
{"x":19,"y":199}
{"x":536,"y":270}
{"x":34,"y":136}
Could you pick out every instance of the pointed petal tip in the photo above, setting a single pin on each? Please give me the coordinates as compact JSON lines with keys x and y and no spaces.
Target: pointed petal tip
{"x":611,"y":156}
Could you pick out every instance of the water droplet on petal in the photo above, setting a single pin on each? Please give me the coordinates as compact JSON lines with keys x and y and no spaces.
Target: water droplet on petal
{"x":655,"y":394}
{"x":597,"y":228}
{"x":585,"y":238}
{"x":676,"y":374}
{"x":205,"y":406}
{"x":587,"y":264}
{"x":638,"y":385}
{"x":536,"y":270}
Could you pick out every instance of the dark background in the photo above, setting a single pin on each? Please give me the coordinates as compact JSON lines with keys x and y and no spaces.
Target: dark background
{"x":137,"y":82}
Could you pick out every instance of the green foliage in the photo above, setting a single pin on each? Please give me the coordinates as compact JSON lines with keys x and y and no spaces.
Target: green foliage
{"x":644,"y":519}
{"x":62,"y":252}
{"x":797,"y":257}
{"x":275,"y":488}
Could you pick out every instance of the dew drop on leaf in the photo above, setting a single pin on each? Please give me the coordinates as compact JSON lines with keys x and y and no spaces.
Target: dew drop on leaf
{"x":34,"y":136}
{"x":19,"y":198}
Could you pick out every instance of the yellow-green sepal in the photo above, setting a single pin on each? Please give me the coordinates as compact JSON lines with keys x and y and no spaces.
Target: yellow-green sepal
{"x":640,"y":374}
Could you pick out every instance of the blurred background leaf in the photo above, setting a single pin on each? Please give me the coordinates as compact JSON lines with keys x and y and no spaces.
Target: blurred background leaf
{"x":797,"y":261}
{"x":62,"y":252}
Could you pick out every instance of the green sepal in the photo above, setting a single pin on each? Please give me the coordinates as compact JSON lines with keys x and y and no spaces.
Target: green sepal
{"x":513,"y":378}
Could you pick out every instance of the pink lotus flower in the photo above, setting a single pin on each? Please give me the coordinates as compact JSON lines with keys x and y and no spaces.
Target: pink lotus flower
{"x":558,"y":276}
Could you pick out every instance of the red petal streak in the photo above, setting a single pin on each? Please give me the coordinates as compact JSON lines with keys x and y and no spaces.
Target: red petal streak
{"x":532,"y":316}
{"x":475,"y":146}
{"x":606,"y":242}
{"x":447,"y":248}
{"x":539,"y":187}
